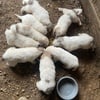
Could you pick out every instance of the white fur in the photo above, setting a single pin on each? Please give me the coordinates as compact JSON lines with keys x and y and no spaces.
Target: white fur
{"x":21,"y":55}
{"x":39,"y":12}
{"x":44,"y":86}
{"x":32,"y":21}
{"x":30,"y":32}
{"x":23,"y":98}
{"x":18,"y":40}
{"x":69,"y":60}
{"x":25,"y":2}
{"x":47,"y":74}
{"x":83,"y":41}
{"x":70,"y":16}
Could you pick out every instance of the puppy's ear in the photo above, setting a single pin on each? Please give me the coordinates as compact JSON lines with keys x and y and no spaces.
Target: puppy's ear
{"x":19,"y":17}
{"x":30,"y":2}
{"x":60,"y":39}
{"x":17,"y":28}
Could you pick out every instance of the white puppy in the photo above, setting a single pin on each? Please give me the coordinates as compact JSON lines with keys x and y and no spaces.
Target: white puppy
{"x":69,"y":60}
{"x":62,"y":25}
{"x":70,"y":16}
{"x":32,"y":21}
{"x":21,"y":55}
{"x":38,"y":11}
{"x":18,"y":40}
{"x":30,"y":32}
{"x":47,"y":74}
{"x":83,"y":41}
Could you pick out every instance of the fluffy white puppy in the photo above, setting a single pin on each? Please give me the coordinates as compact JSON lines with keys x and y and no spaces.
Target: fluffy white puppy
{"x":38,"y":11}
{"x":83,"y":41}
{"x":18,"y":40}
{"x":62,"y":25}
{"x":47,"y":74}
{"x":30,"y":32}
{"x":32,"y":21}
{"x":70,"y":16}
{"x":21,"y":55}
{"x":69,"y":60}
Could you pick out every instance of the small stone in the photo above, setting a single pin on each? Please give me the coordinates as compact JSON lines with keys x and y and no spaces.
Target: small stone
{"x":35,"y":93}
{"x":22,"y":98}
{"x":2,"y":90}
{"x":62,"y":1}
{"x":13,"y":89}
{"x":51,"y":6}
{"x":4,"y":73}
{"x":17,"y":87}
{"x":0,"y":2}
{"x":35,"y":75}
{"x":17,"y":93}
{"x":48,"y":5}
{"x":27,"y":96}
{"x":5,"y":82}
{"x":82,"y":70}
{"x":23,"y":90}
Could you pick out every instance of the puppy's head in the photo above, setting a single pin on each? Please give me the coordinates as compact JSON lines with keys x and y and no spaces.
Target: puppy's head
{"x":78,"y":11}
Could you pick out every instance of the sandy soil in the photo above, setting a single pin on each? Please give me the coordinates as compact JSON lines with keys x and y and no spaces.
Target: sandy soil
{"x":20,"y":81}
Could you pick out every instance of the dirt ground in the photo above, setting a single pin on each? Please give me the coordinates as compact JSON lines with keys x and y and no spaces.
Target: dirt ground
{"x":21,"y":81}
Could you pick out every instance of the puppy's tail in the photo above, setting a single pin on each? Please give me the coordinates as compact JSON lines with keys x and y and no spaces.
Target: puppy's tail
{"x":60,"y":9}
{"x":20,"y":17}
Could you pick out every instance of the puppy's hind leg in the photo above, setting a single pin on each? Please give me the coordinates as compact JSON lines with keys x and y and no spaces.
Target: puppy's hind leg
{"x":79,"y":21}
